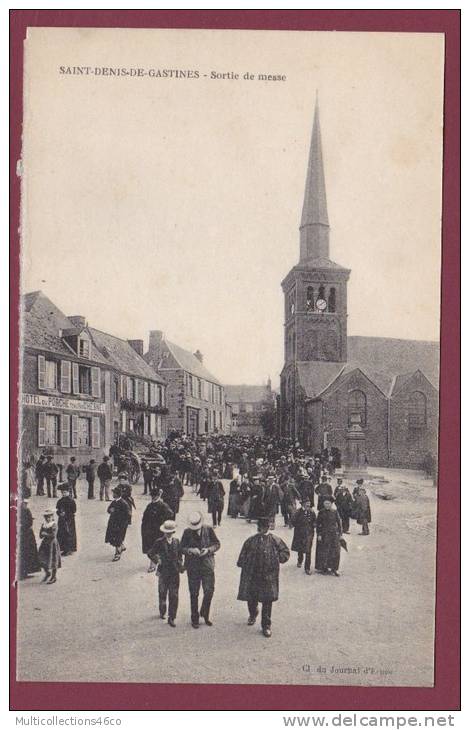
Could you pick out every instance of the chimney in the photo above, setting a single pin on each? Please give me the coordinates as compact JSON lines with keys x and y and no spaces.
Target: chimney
{"x":138,"y":346}
{"x":78,"y":321}
{"x":155,"y":347}
{"x":198,"y":354}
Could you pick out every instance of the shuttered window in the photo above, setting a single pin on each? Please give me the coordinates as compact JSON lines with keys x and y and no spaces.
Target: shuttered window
{"x":95,"y":432}
{"x":153,"y":394}
{"x":41,"y":372}
{"x":41,"y":429}
{"x":124,"y":421}
{"x":75,"y":379}
{"x":74,"y":430}
{"x":65,"y":376}
{"x":146,"y":393}
{"x":65,"y":429}
{"x":136,"y":391}
{"x":123,"y":386}
{"x":152,"y":424}
{"x":95,"y":382}
{"x":129,"y":394}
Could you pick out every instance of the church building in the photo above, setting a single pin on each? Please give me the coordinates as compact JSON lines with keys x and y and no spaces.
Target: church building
{"x":330,"y":381}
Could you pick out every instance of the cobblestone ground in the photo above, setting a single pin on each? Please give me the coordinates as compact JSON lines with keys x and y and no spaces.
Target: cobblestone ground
{"x":372,"y":626}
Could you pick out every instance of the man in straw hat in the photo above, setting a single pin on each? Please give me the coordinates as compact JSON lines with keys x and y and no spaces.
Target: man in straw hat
{"x":199,"y":543}
{"x":260,"y":558}
{"x":167,"y":555}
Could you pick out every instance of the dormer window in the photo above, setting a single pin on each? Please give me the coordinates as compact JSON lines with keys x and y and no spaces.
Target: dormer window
{"x":84,"y":347}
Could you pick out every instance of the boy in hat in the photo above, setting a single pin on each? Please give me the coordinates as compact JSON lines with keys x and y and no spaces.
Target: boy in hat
{"x":260,"y":558}
{"x":167,"y":554}
{"x":66,"y":532}
{"x":118,"y":521}
{"x":199,"y":543}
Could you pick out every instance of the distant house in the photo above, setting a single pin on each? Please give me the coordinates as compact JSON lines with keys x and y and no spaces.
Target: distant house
{"x":248,"y":402}
{"x":81,"y":387}
{"x":195,"y":397}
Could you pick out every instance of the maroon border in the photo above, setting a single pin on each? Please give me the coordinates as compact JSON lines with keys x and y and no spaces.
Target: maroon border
{"x":445,"y":695}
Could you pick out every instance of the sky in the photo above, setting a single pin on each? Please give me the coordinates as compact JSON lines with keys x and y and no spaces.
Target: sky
{"x":174,"y":203}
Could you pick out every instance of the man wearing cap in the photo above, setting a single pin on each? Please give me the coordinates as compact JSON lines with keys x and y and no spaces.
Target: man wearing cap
{"x":303,"y":522}
{"x":199,"y":543}
{"x":105,"y":474}
{"x":324,"y":491}
{"x":50,"y":472}
{"x":260,"y":558}
{"x":39,"y":474}
{"x":344,"y":504}
{"x":215,"y":499}
{"x":167,"y":554}
{"x":361,"y":507}
{"x":66,"y":532}
{"x":153,"y":518}
{"x":73,"y":472}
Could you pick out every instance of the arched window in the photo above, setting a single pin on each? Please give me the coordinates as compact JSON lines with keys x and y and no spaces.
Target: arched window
{"x":332,"y":300}
{"x":417,"y":410}
{"x":357,"y":408}
{"x":310,"y":298}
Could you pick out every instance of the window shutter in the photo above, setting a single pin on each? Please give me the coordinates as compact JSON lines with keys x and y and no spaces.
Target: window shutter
{"x":74,"y":430}
{"x":75,"y":380}
{"x":65,"y":429}
{"x":146,"y":393}
{"x":41,"y":372}
{"x":136,"y":390}
{"x":41,"y":429}
{"x":122,"y":393}
{"x":129,"y":388}
{"x":95,"y":432}
{"x":95,"y":382}
{"x":123,"y":421}
{"x":146,"y":424}
{"x":65,"y":376}
{"x":152,"y":424}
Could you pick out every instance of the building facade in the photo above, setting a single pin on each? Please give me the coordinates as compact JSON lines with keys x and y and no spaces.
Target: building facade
{"x":249,"y":404}
{"x":72,"y":383}
{"x":329,"y":380}
{"x":195,"y":397}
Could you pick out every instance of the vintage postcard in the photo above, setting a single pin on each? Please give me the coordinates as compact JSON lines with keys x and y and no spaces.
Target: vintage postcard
{"x":229,"y":377}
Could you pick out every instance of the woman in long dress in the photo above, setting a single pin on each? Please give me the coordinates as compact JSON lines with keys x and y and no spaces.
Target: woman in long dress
{"x":27,"y":549}
{"x":49,"y":550}
{"x":66,"y":532}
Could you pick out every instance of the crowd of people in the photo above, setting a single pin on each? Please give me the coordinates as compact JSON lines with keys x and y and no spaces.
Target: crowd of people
{"x":265,"y":477}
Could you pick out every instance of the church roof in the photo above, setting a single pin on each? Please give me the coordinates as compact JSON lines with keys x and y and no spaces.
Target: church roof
{"x":246,"y":393}
{"x":387,"y":362}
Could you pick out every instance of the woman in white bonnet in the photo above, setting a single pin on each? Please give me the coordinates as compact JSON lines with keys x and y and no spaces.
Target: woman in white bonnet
{"x":49,"y":550}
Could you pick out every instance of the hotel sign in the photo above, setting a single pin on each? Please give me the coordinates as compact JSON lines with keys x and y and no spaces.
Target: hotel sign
{"x":69,"y":404}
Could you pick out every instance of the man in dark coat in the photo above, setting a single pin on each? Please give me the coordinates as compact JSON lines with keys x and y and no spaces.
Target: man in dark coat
{"x":289,"y":501}
{"x":40,"y":475}
{"x":256,"y":499}
{"x":234,"y":497}
{"x":324,"y":491}
{"x":199,"y":543}
{"x":362,"y":507}
{"x":51,"y":471}
{"x":90,"y":474}
{"x":344,"y":505}
{"x":172,"y":493}
{"x":118,"y":522}
{"x":105,"y":474}
{"x":155,"y":514}
{"x":270,"y":500}
{"x":73,"y":472}
{"x":147,"y":474}
{"x":327,"y":555}
{"x":303,"y":522}
{"x":167,"y":554}
{"x":66,"y":532}
{"x":27,"y":548}
{"x":260,"y":558}
{"x":215,"y":500}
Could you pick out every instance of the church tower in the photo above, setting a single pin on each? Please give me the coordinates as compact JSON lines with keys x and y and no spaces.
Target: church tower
{"x":315,"y":292}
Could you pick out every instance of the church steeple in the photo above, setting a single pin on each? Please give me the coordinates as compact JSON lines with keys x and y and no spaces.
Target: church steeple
{"x":314,"y":225}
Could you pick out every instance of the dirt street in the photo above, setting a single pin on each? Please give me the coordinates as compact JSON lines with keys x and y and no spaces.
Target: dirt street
{"x":371,"y":626}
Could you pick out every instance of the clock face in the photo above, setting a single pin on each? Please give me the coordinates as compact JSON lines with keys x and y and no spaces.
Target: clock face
{"x":320,"y":305}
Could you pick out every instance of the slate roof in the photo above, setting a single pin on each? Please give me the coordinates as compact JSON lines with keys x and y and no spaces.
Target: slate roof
{"x":189,"y":362}
{"x":121,"y":355}
{"x":387,"y":362}
{"x":384,"y":358}
{"x":245,"y":393}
